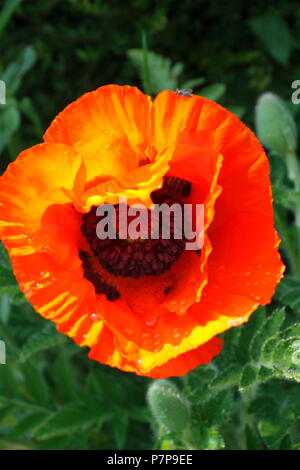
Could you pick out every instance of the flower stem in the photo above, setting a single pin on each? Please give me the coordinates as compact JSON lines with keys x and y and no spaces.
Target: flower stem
{"x":293,"y":168}
{"x":289,"y":248}
{"x":146,"y":74}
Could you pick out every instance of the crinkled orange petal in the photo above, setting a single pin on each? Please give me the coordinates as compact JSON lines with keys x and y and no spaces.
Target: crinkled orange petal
{"x":99,"y":120}
{"x":172,"y":335}
{"x":174,"y":115}
{"x":245,"y":256}
{"x":136,"y":185}
{"x":245,"y":259}
{"x":190,"y":162}
{"x":37,"y":227}
{"x":186,"y":362}
{"x":177,"y":366}
{"x":41,"y":176}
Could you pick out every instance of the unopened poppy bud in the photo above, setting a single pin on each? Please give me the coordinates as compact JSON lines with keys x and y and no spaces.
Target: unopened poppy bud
{"x":275,"y":125}
{"x":168,"y":405}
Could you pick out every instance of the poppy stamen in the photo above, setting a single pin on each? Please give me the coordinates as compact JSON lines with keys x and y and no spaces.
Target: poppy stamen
{"x":143,"y":256}
{"x":101,"y":287}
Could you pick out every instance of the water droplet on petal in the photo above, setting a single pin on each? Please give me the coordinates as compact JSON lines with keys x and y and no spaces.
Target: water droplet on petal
{"x":146,"y":335}
{"x":221,"y":268}
{"x":95,"y":317}
{"x":151,"y":323}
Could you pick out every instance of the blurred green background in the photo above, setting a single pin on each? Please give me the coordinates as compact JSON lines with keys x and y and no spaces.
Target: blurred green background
{"x":64,"y":48}
{"x":51,"y":52}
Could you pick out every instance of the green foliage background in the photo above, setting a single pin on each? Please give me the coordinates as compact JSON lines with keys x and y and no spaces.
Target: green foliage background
{"x":51,"y":395}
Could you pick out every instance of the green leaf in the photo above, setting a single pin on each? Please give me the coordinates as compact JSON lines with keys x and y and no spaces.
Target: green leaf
{"x":279,"y":174}
{"x":227,"y":377}
{"x":9,"y":385}
{"x":9,"y":444}
{"x":28,"y":425}
{"x":281,"y":354}
{"x":288,"y":292}
{"x":5,"y":311}
{"x":162,"y":74}
{"x":64,"y":377}
{"x":193,"y":83}
{"x":74,"y":417}
{"x":266,"y":356}
{"x":7,"y":11}
{"x":4,"y":258}
{"x":120,"y":429}
{"x":8,"y":290}
{"x":284,"y":196}
{"x":14,"y":294}
{"x":272,"y":30}
{"x":140,"y":414}
{"x":286,"y":357}
{"x":267,"y":330}
{"x":213,"y":92}
{"x":7,"y":279}
{"x":16,"y":70}
{"x":248,"y":330}
{"x":253,"y":439}
{"x":265,"y":374}
{"x":275,"y":125}
{"x":5,"y":410}
{"x":55,"y":443}
{"x":29,"y":110}
{"x":239,"y":111}
{"x":231,"y":340}
{"x":293,"y":330}
{"x":114,"y":389}
{"x":46,"y":338}
{"x":248,"y":377}
{"x":286,"y":443}
{"x":272,"y":430}
{"x":36,"y":384}
{"x":217,"y":410}
{"x":9,"y":123}
{"x":210,"y":438}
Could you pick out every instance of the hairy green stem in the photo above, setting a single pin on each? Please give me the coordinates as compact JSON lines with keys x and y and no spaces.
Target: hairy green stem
{"x":293,"y":168}
{"x":288,"y":247}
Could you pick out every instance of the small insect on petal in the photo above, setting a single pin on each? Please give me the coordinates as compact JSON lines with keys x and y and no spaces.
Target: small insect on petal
{"x":188,"y":92}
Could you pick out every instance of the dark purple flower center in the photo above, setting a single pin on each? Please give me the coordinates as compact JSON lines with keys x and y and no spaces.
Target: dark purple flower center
{"x":136,"y":258}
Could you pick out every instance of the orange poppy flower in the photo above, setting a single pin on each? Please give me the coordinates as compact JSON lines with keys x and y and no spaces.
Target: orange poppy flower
{"x":140,"y":307}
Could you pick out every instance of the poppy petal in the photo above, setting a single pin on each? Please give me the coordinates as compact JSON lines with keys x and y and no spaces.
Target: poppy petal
{"x":41,"y":176}
{"x":99,"y":120}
